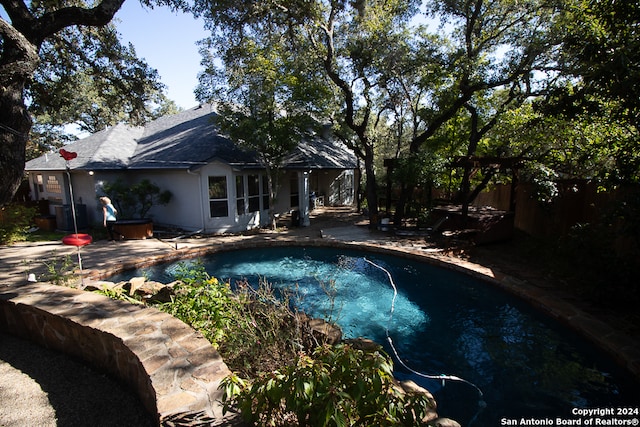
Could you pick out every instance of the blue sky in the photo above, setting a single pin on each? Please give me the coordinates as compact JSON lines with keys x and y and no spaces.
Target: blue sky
{"x":167,"y":42}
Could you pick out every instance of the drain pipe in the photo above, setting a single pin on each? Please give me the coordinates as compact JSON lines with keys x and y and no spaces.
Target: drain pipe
{"x":481,"y":403}
{"x":174,"y":241}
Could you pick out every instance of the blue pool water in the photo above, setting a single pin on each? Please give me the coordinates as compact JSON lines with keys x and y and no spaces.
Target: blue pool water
{"x":443,"y":323}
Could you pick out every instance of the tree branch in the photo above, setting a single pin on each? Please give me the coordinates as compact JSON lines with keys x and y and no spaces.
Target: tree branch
{"x":19,"y":58}
{"x":52,"y":22}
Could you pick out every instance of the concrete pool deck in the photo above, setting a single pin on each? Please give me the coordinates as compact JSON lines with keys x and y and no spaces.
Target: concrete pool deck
{"x":332,"y":227}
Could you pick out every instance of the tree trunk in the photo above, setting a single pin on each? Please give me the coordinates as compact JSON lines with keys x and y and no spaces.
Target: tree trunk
{"x":15,"y":124}
{"x":18,"y":62}
{"x":371,"y":188}
{"x":404,"y":198}
{"x":465,"y":188}
{"x":22,"y":36}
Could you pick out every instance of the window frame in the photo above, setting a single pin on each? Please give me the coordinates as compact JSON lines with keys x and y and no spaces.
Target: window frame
{"x":218,"y":202}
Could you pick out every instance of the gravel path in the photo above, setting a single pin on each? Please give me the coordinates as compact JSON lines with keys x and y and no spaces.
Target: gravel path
{"x":44,"y":388}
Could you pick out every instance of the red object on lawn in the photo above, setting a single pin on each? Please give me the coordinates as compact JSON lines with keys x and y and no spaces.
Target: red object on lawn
{"x":77,"y":240}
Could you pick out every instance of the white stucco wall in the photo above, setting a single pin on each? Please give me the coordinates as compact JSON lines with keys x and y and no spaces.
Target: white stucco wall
{"x":82,"y":186}
{"x":182,"y":211}
{"x":84,"y":194}
{"x":189,"y":206}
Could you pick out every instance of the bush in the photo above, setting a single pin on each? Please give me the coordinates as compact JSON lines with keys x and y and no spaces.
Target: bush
{"x":15,"y":220}
{"x":202,"y":302}
{"x":134,"y":201}
{"x":296,"y":379}
{"x":266,"y":333}
{"x":607,"y":252}
{"x":335,"y":386}
{"x":253,"y":329}
{"x":60,"y":271}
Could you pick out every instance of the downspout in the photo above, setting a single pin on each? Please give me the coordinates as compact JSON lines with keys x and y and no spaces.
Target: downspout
{"x":197,"y":174}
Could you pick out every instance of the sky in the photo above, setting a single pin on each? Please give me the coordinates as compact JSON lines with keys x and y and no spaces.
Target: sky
{"x":167,"y":42}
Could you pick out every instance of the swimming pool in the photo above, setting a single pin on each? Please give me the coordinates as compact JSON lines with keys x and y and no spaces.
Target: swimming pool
{"x":443,"y":322}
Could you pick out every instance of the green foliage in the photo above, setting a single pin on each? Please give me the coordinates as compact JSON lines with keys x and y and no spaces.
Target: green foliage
{"x":47,"y":236}
{"x":119,"y":295}
{"x":60,"y":271}
{"x":267,"y":334}
{"x":202,"y":302}
{"x":600,"y":60}
{"x":134,"y":201}
{"x":259,"y":336}
{"x":87,"y":77}
{"x":601,"y":53}
{"x":265,"y":100}
{"x":335,"y":386}
{"x":15,"y":220}
{"x":391,"y":87}
{"x":544,"y":180}
{"x":607,"y":253}
{"x":254,"y":329}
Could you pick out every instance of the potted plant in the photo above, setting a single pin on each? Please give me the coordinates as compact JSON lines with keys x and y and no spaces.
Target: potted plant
{"x":133,"y":203}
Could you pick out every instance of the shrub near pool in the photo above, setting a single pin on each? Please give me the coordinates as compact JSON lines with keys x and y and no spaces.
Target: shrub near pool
{"x":333,"y":386}
{"x":289,"y":377}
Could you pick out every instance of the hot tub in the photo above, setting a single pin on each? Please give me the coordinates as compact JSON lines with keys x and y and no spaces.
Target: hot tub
{"x":134,"y":228}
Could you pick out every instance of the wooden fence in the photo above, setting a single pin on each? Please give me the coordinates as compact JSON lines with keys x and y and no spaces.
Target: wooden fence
{"x":577,"y":202}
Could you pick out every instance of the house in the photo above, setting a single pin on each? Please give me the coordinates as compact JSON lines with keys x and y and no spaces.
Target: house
{"x":217,"y":186}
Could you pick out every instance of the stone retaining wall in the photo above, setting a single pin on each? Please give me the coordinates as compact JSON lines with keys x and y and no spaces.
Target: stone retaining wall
{"x":172,"y":368}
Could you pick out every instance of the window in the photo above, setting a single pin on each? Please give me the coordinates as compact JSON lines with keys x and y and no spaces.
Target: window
{"x":253,"y":184}
{"x":53,"y":186}
{"x":218,"y":203}
{"x":40,"y":183}
{"x":240,"y":205}
{"x":251,"y":193}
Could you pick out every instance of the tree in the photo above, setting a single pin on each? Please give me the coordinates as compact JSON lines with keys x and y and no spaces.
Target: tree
{"x":75,"y":84}
{"x":347,"y":42}
{"x":135,"y":200}
{"x":599,"y":66}
{"x":264,"y":101}
{"x":406,"y":88}
{"x":66,"y":63}
{"x":601,"y":49}
{"x":358,"y":46}
{"x":490,"y":56}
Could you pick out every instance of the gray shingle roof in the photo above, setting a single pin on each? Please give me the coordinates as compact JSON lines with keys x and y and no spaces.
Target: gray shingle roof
{"x":321,"y":153}
{"x":107,"y":149}
{"x":187,"y":140}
